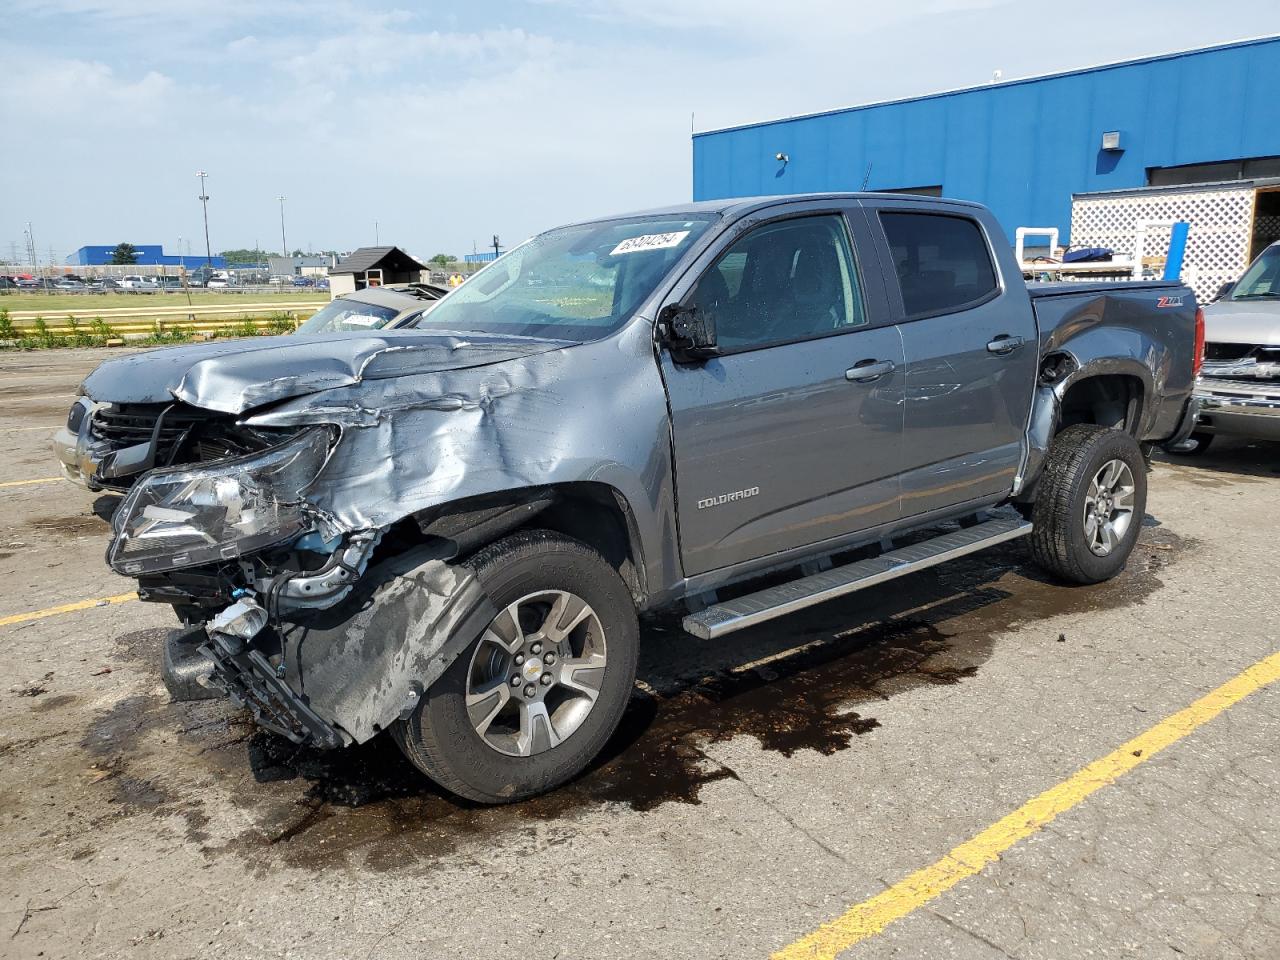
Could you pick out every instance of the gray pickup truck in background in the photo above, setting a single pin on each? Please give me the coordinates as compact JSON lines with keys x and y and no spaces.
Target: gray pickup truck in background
{"x":447,"y":532}
{"x":1238,"y":393}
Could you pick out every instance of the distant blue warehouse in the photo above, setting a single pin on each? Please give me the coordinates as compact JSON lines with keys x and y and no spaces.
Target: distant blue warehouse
{"x":1023,"y":147}
{"x":149,"y":255}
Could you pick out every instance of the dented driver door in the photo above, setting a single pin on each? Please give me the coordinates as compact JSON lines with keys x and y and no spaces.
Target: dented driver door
{"x":791,"y":436}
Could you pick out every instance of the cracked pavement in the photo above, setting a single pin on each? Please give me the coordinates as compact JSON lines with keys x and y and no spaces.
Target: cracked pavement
{"x":760,"y":785}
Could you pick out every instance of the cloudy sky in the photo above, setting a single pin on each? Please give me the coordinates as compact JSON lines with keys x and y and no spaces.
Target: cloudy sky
{"x":447,"y":123}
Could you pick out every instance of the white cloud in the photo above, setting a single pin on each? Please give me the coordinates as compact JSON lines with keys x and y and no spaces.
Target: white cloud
{"x":449,"y":126}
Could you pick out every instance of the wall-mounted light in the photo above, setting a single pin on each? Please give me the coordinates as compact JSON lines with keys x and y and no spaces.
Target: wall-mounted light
{"x":781,"y":157}
{"x":1112,"y":142}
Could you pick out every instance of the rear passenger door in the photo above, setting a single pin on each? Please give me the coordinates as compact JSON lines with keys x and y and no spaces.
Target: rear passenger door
{"x":970,"y":342}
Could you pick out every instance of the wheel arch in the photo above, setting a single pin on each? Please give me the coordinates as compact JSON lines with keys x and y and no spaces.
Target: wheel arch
{"x":593,"y":512}
{"x":1114,"y":392}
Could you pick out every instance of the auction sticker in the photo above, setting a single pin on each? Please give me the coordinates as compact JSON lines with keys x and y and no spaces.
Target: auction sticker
{"x":650,"y":241}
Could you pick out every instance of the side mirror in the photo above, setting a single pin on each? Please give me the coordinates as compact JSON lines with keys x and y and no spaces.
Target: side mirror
{"x":690,"y":334}
{"x":1224,"y":291}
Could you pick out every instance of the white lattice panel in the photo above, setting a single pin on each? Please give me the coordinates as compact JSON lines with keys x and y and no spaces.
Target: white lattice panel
{"x":1266,"y":230}
{"x":1217,"y":243}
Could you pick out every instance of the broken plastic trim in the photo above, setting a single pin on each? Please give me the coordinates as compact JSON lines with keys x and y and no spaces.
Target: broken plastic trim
{"x":329,"y":584}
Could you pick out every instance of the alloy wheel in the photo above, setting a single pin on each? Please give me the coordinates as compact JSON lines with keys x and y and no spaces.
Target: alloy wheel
{"x":536,"y":673}
{"x":1108,"y":507}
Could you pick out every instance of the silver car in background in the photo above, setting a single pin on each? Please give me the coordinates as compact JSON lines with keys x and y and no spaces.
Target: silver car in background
{"x":1238,"y":391}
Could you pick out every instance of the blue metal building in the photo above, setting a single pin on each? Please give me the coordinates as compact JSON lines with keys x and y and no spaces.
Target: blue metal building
{"x":149,"y":254}
{"x":1023,"y":147}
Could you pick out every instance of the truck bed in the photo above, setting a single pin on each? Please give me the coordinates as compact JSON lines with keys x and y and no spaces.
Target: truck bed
{"x":1057,"y":288}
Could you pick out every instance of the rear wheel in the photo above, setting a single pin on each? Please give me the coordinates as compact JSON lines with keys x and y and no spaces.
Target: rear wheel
{"x":1090,"y":503}
{"x":535,"y":698}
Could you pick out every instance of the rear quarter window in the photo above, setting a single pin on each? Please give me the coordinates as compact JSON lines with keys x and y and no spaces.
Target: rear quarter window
{"x":942,"y":262}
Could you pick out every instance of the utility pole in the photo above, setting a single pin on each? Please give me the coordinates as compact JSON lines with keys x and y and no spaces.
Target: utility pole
{"x":284,"y":246}
{"x":204,"y":202}
{"x":375,"y":233}
{"x":496,"y":248}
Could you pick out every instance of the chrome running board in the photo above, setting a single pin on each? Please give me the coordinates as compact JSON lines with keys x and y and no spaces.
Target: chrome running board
{"x":721,"y":618}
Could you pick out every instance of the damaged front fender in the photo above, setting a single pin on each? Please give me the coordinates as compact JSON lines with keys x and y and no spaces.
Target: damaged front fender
{"x":366,"y":662}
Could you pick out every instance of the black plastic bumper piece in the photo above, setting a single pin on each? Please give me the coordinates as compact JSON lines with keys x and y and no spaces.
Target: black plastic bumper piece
{"x":249,"y":679}
{"x":1190,"y":414}
{"x":185,"y":668}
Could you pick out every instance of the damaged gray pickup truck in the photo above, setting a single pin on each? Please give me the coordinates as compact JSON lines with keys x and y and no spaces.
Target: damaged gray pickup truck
{"x":447,"y":532}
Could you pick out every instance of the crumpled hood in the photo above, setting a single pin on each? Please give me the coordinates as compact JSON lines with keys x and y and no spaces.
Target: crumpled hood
{"x":235,"y":376}
{"x":1243,"y":321}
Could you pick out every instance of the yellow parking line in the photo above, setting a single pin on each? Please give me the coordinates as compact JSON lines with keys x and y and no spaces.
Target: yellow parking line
{"x":66,"y":608}
{"x":868,"y":918}
{"x":27,"y":483}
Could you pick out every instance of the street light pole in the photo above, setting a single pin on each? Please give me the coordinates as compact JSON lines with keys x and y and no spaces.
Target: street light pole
{"x":204,"y":202}
{"x":284,"y":246}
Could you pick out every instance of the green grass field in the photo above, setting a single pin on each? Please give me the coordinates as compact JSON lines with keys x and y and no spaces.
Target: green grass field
{"x":55,"y":303}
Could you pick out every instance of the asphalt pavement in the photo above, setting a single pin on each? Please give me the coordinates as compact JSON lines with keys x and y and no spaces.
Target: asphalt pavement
{"x":867,"y":779}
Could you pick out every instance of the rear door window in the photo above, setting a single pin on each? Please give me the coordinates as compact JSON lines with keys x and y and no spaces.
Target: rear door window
{"x":943,"y":262}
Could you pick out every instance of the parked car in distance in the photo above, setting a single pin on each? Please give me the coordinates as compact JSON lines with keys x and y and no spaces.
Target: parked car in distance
{"x":8,"y":283}
{"x":1238,"y":392}
{"x":139,"y":284}
{"x":218,"y":282}
{"x":303,"y":282}
{"x":447,"y":531}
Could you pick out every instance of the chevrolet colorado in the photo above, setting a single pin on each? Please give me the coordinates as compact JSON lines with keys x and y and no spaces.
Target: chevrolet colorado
{"x":447,"y":532}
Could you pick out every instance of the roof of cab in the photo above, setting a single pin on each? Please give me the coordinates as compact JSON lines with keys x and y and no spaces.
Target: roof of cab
{"x":740,"y":206}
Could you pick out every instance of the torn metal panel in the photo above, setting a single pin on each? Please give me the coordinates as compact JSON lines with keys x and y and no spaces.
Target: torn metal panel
{"x":414,"y":441}
{"x":235,"y":376}
{"x":365,"y":662}
{"x":241,"y":382}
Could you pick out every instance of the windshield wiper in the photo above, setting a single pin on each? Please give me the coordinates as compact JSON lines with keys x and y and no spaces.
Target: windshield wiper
{"x":1256,"y":296}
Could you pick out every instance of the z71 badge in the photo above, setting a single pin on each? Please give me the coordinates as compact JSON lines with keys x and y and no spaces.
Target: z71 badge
{"x":1169,"y":302}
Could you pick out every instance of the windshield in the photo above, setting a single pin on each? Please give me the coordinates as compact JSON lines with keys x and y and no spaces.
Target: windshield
{"x":1262,"y":280}
{"x":349,"y":315}
{"x":575,"y":283}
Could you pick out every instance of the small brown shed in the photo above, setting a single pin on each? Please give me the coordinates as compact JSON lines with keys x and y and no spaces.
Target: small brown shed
{"x":375,"y":267}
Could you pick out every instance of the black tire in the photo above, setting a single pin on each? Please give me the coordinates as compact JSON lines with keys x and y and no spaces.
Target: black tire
{"x":439,"y":738}
{"x":1194,"y":446}
{"x":1058,"y":542}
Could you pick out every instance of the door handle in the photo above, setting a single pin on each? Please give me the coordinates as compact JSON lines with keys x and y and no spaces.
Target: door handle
{"x":865,"y":371}
{"x":1004,"y":344}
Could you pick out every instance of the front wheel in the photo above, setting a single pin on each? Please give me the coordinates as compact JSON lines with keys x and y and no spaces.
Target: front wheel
{"x":1090,"y":503}
{"x":537,"y":695}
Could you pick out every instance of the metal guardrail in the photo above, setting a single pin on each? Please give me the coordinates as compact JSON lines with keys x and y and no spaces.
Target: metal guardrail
{"x":165,"y":312}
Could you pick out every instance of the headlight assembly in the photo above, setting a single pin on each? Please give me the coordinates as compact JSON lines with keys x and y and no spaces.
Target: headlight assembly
{"x":187,"y":516}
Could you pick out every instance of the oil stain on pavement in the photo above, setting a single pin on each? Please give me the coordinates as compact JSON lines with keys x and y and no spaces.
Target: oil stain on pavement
{"x":808,"y":682}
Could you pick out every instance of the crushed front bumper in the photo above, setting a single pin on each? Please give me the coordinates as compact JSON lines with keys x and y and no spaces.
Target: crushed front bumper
{"x":72,"y":444}
{"x":198,"y":665}
{"x":1242,"y":408}
{"x":342,"y":674}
